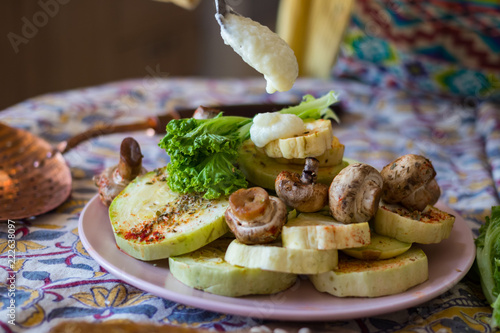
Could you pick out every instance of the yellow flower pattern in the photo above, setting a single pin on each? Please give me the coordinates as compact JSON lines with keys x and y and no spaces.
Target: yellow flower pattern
{"x":100,"y":297}
{"x":21,"y":246}
{"x":36,"y":316}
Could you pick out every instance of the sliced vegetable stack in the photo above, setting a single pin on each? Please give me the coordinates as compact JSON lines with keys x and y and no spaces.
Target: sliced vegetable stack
{"x":206,"y":269}
{"x":246,"y":204}
{"x":203,"y":152}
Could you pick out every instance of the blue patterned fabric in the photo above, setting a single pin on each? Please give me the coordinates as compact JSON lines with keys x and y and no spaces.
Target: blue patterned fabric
{"x":442,"y":47}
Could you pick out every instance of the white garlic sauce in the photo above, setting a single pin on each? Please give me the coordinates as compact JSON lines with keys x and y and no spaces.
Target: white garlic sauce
{"x":262,"y":49}
{"x":271,"y":126}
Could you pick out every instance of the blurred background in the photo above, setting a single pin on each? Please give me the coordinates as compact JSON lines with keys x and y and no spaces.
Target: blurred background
{"x":444,"y":47}
{"x":55,"y":45}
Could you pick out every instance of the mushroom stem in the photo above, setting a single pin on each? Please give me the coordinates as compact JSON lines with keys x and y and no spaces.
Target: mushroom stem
{"x":255,"y":217}
{"x":130,"y":164}
{"x":301,"y":191}
{"x":310,"y":172}
{"x":249,"y":204}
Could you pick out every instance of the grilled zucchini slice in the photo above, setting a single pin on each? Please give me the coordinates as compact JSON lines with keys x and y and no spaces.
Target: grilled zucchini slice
{"x":274,"y":257}
{"x":427,"y":227}
{"x":322,"y":232}
{"x":206,"y":269}
{"x":374,"y":278}
{"x":151,"y":222}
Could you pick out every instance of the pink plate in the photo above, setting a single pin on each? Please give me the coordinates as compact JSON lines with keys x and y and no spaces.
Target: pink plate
{"x":449,"y":261}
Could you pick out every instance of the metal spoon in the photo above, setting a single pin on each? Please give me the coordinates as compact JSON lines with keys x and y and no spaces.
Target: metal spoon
{"x":222,"y":9}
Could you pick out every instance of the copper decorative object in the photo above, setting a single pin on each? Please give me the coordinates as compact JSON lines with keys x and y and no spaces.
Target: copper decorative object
{"x":34,"y":178}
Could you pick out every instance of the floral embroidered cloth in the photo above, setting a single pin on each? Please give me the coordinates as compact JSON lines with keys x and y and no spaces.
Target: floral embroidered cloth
{"x":57,"y":280}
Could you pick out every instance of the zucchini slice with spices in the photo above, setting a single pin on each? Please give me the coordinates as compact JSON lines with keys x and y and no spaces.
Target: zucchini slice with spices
{"x":151,"y":222}
{"x":380,"y":247}
{"x":323,"y":232}
{"x":374,"y":278}
{"x":274,"y":257}
{"x":206,"y":269}
{"x":427,"y":227}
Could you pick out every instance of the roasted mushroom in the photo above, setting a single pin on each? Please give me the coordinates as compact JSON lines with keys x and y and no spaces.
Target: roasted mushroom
{"x":410,"y":181}
{"x":355,"y":192}
{"x":255,"y":217}
{"x":204,"y":112}
{"x":114,"y":179}
{"x":301,"y":191}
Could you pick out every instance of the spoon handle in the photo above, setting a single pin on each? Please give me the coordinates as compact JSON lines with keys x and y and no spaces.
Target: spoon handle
{"x":159,"y":123}
{"x":221,"y":7}
{"x":74,"y":141}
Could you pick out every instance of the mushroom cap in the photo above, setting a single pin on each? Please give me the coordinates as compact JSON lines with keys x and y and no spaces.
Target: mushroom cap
{"x":406,"y":175}
{"x":306,"y":198}
{"x":426,"y":195}
{"x":354,"y":194}
{"x":204,"y":112}
{"x":261,"y":230}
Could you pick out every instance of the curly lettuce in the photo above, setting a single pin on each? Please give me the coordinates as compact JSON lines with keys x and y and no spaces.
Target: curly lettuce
{"x":488,"y":262}
{"x":203,"y":152}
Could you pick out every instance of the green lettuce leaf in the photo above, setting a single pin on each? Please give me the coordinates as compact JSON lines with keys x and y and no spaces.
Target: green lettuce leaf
{"x":203,"y":153}
{"x":315,"y":108}
{"x":488,"y":261}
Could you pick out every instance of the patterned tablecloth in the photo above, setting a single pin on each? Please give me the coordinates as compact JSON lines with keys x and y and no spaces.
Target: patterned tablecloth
{"x":57,"y":280}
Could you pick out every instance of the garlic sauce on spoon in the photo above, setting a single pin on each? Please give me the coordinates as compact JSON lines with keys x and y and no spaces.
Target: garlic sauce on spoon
{"x":259,"y":47}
